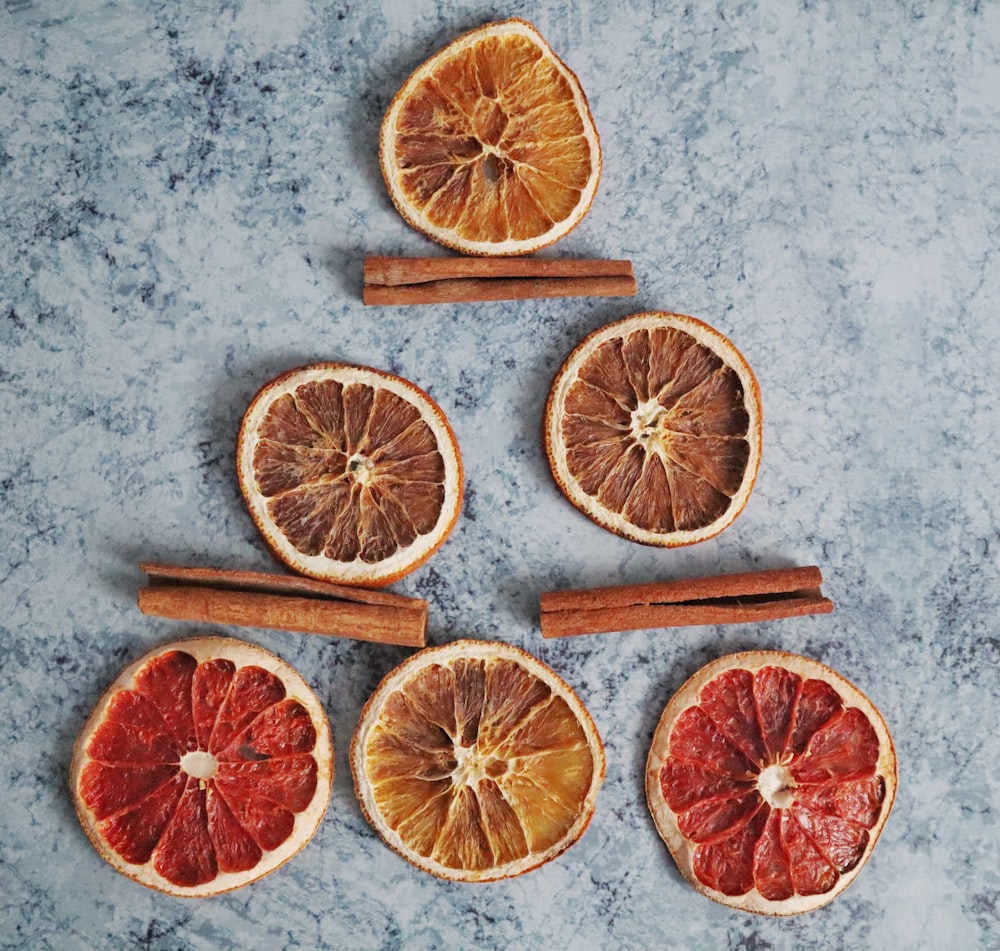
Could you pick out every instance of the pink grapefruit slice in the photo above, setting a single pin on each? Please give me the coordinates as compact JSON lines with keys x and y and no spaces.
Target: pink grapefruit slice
{"x":206,"y":765}
{"x":770,"y":778}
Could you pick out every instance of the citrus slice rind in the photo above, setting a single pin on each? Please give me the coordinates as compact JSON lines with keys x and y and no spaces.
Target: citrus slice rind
{"x":490,"y":147}
{"x":476,"y":762}
{"x":653,"y":429}
{"x":351,"y":474}
{"x":770,"y":778}
{"x":212,"y":806}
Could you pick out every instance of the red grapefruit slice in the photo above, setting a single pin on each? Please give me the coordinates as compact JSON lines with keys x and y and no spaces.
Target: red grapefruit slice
{"x":206,"y":765}
{"x":770,"y":778}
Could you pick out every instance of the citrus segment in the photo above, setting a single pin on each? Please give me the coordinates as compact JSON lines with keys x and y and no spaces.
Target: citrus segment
{"x":476,"y":762}
{"x":770,"y":778}
{"x":206,"y":765}
{"x":490,"y":147}
{"x":653,"y":429}
{"x":351,"y":474}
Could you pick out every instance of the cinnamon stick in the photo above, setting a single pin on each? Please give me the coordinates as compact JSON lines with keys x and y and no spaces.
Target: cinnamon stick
{"x":723,"y":599}
{"x":282,"y":602}
{"x":404,"y":281}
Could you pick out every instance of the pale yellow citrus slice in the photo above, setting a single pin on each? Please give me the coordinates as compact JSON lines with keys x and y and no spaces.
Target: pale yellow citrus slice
{"x":352,"y":474}
{"x":770,"y":778}
{"x":490,"y":147}
{"x":653,"y":429}
{"x":206,"y":765}
{"x":476,"y":762}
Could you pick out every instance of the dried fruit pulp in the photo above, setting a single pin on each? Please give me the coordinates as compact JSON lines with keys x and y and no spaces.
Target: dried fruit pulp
{"x":205,"y":766}
{"x":476,"y":762}
{"x":490,"y":147}
{"x":653,"y":429}
{"x":770,"y":778}
{"x":351,"y":474}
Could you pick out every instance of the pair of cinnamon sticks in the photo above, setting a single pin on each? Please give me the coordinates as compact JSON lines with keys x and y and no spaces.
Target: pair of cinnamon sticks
{"x":403,"y":281}
{"x":282,"y":602}
{"x":292,"y":603}
{"x":723,"y":599}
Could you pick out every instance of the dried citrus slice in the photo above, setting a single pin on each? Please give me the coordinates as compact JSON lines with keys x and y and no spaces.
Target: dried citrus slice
{"x":351,"y":474}
{"x":770,"y":778}
{"x":653,"y":429}
{"x":206,"y":765}
{"x":476,"y":762}
{"x":490,"y":147}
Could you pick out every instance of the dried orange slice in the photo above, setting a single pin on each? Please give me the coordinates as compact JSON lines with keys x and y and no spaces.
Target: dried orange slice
{"x":490,"y":147}
{"x":351,"y":474}
{"x":205,"y":766}
{"x":653,"y":429}
{"x":770,"y":778}
{"x":476,"y":762}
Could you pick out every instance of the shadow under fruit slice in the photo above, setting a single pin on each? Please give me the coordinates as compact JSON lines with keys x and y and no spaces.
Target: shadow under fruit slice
{"x":653,"y":429}
{"x":352,"y":474}
{"x":476,"y":762}
{"x":770,"y":778}
{"x":206,"y":765}
{"x":490,"y":147}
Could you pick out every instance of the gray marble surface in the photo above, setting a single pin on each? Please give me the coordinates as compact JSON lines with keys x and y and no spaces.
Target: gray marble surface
{"x":187,"y":192}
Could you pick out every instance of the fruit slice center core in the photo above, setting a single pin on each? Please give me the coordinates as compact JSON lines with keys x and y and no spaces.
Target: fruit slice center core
{"x":199,"y":764}
{"x":775,"y":784}
{"x":491,"y":168}
{"x":647,"y":425}
{"x":489,"y":122}
{"x":472,"y":765}
{"x":361,"y":468}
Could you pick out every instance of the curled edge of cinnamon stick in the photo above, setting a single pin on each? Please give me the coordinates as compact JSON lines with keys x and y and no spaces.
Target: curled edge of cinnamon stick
{"x":282,"y":602}
{"x":445,"y":280}
{"x":723,"y":599}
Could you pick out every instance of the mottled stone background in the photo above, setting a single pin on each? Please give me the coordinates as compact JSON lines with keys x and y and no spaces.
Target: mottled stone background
{"x":187,"y":191}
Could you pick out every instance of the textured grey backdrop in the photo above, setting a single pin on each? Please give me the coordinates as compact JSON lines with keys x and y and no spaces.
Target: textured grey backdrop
{"x":186,"y":195}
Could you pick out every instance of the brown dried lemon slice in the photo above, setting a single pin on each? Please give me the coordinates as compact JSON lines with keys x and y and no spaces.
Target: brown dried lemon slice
{"x":653,"y":429}
{"x":351,"y":474}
